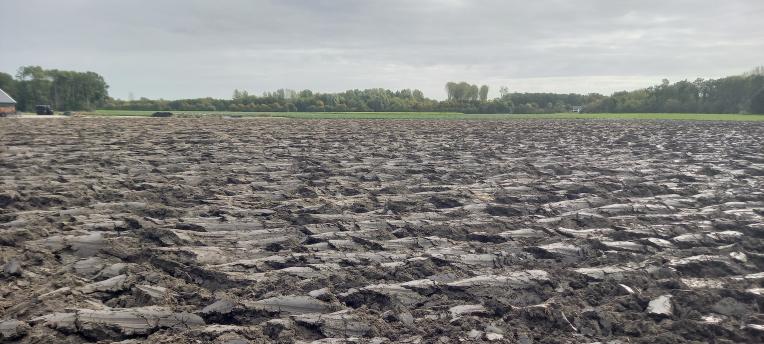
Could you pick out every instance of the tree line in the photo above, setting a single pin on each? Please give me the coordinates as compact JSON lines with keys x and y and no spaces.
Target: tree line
{"x":735,"y":94}
{"x":67,"y":90}
{"x":64,"y":90}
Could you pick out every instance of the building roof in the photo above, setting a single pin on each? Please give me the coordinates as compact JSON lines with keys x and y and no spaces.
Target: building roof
{"x":5,"y":98}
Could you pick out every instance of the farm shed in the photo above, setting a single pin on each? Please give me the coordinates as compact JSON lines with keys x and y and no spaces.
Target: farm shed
{"x":7,"y":104}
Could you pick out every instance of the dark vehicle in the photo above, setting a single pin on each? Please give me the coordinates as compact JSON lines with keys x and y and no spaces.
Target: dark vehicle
{"x":43,"y":110}
{"x":161,"y":114}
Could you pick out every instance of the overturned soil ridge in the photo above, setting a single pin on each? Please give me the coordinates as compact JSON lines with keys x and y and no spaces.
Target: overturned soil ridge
{"x":235,"y":231}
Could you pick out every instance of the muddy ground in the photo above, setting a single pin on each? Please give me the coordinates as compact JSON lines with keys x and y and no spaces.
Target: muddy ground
{"x":240,"y":231}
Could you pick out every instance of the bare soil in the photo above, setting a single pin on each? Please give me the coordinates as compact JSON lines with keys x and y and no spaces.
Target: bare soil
{"x":341,"y":231}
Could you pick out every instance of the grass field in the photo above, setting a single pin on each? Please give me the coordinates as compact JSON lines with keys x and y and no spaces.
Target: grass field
{"x":445,"y":115}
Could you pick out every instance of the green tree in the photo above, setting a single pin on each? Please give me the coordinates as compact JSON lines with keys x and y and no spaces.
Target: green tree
{"x":503,"y":91}
{"x":757,"y":102}
{"x":483,"y":93}
{"x":65,"y":90}
{"x":461,"y":92}
{"x":8,"y":85}
{"x":418,"y":95}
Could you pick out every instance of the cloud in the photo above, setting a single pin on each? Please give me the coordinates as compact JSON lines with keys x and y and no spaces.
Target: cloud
{"x":175,"y":49}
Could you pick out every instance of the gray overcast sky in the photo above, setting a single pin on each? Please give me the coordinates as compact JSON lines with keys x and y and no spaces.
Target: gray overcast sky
{"x":192,"y":48}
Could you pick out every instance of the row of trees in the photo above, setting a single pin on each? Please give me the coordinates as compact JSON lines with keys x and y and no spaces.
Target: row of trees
{"x":285,"y":100}
{"x":68,"y":90}
{"x":463,"y":91}
{"x":736,"y":94}
{"x":463,"y":97}
{"x":64,"y":90}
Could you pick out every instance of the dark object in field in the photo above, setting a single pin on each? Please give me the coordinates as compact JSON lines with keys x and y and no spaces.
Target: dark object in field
{"x":161,"y":114}
{"x":68,"y":113}
{"x":43,"y":110}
